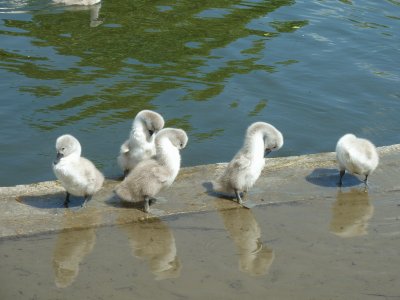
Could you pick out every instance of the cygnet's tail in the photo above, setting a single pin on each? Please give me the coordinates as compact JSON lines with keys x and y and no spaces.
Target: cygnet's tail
{"x":219,"y":186}
{"x":122,"y":191}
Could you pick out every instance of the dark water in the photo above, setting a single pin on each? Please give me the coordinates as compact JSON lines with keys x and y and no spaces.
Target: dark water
{"x":314,"y":69}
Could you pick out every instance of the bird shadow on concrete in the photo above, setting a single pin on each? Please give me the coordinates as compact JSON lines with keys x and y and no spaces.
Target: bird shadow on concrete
{"x":116,"y":201}
{"x":210,"y":191}
{"x":247,"y":203}
{"x":51,"y":201}
{"x":330,"y":178}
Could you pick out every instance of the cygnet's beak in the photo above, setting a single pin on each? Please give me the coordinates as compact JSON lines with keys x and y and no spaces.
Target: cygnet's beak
{"x":267,"y":151}
{"x":58,"y":157}
{"x":151,"y":132}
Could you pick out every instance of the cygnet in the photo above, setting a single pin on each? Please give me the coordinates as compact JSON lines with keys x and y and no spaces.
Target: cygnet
{"x":77,"y":2}
{"x":93,"y":6}
{"x":150,"y":176}
{"x":357,"y":156}
{"x":140,"y":145}
{"x":77,"y":174}
{"x":246,"y":166}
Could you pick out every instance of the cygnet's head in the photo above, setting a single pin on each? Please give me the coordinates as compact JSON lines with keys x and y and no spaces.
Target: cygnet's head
{"x":178,"y":137}
{"x":153,"y":121}
{"x":67,"y":145}
{"x":273,"y":139}
{"x":347,"y":136}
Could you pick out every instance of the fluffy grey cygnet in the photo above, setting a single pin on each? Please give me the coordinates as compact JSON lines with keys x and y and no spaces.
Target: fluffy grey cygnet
{"x":150,"y":176}
{"x":357,"y":156}
{"x":140,"y":145}
{"x":77,"y":174}
{"x":246,"y":166}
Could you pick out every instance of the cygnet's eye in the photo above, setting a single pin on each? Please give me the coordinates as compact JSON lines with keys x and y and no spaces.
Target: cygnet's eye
{"x":62,"y":149}
{"x":181,"y":145}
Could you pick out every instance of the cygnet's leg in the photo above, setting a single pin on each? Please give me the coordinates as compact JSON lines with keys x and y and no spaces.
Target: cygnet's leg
{"x":341,"y":176}
{"x":247,"y":203}
{"x":153,"y":211}
{"x":66,"y":201}
{"x":238,"y":198}
{"x":146,"y":204}
{"x":153,"y":200}
{"x":85,"y":201}
{"x":366,"y":181}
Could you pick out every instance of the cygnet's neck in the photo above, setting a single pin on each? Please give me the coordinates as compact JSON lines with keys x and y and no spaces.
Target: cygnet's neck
{"x":73,"y":157}
{"x":138,"y":133}
{"x":254,"y":144}
{"x":167,"y":154}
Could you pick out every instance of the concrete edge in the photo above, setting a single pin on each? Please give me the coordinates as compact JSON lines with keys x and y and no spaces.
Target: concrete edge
{"x":306,"y":160}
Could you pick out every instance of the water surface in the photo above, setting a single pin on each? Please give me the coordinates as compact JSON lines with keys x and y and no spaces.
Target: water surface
{"x":314,"y":69}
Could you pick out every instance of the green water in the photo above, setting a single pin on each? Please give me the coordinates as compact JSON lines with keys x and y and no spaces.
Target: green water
{"x":314,"y":69}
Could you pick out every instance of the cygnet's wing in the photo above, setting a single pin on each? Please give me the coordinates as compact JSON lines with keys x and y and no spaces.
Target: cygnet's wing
{"x":241,"y":162}
{"x":343,"y":156}
{"x":358,"y":161}
{"x":90,"y":172}
{"x":160,"y":173}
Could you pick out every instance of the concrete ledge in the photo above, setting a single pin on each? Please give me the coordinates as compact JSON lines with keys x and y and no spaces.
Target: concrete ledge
{"x":37,"y":208}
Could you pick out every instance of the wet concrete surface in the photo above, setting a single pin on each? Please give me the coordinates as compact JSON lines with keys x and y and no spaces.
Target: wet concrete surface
{"x":311,"y":249}
{"x":305,"y":239}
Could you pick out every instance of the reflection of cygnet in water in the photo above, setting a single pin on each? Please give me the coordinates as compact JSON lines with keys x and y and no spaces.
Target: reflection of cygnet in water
{"x":150,"y":176}
{"x":246,"y":166}
{"x":141,"y":143}
{"x":153,"y":241}
{"x":77,"y":2}
{"x":351,"y":213}
{"x":93,"y":5}
{"x":71,"y":248}
{"x":357,"y":156}
{"x":77,"y":174}
{"x":255,"y":258}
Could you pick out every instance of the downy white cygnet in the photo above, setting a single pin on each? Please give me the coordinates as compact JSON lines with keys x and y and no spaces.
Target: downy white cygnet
{"x":357,"y":156}
{"x":246,"y":166}
{"x":140,"y":145}
{"x":77,"y":174}
{"x":77,"y":2}
{"x":93,"y":6}
{"x":150,"y":176}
